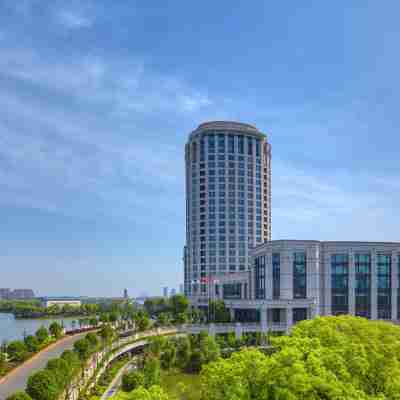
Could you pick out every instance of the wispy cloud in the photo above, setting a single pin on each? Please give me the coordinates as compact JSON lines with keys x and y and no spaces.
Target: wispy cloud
{"x":72,"y":19}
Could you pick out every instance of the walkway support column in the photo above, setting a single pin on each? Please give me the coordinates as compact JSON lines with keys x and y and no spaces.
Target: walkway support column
{"x":289,"y":319}
{"x":263,"y":319}
{"x":238,"y":330}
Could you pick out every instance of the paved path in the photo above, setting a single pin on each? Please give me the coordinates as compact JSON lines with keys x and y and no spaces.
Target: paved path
{"x":18,"y":378}
{"x":115,"y":384}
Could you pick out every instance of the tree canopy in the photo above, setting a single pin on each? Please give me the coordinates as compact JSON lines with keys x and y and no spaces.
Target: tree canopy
{"x":330,"y":358}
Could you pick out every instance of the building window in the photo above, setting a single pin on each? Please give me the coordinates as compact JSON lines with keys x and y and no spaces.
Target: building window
{"x":340,"y":283}
{"x":276,"y":275}
{"x":202,"y":149}
{"x":258,"y":147}
{"x":299,"y":314}
{"x":250,"y":146}
{"x":384,"y":270}
{"x":231,"y":144}
{"x":299,"y":276}
{"x":232,"y":291}
{"x":211,"y":143}
{"x":362,"y":263}
{"x":221,"y":143}
{"x":241,"y":144}
{"x":260,"y":277}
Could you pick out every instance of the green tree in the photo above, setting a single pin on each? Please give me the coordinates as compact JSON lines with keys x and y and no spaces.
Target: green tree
{"x":42,"y":386}
{"x":32,"y":343}
{"x":61,"y":371}
{"x":2,"y":360}
{"x":132,"y":380}
{"x":19,"y":396}
{"x":93,"y":321}
{"x":72,"y":360}
{"x":157,"y":345}
{"x":195,"y":362}
{"x":42,"y":334}
{"x":106,"y":332}
{"x":143,"y":323}
{"x":17,"y":350}
{"x":163,"y":319}
{"x":218,"y":311}
{"x":93,"y":339}
{"x":82,"y":348}
{"x":183,"y":351}
{"x":55,"y":330}
{"x":151,"y":372}
{"x":325,"y":358}
{"x":153,"y":393}
{"x":179,"y":306}
{"x":168,"y":357}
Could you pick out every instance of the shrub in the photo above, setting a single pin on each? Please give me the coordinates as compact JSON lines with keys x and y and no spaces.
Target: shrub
{"x":17,"y":350}
{"x":56,"y":330}
{"x":42,"y":334}
{"x":43,"y":386}
{"x":32,"y":343}
{"x":19,"y":396}
{"x":132,"y":380}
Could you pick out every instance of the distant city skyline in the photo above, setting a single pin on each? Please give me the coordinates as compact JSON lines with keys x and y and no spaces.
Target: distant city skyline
{"x":95,"y":108}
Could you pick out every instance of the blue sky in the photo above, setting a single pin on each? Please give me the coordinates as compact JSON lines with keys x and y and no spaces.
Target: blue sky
{"x":97,"y":99}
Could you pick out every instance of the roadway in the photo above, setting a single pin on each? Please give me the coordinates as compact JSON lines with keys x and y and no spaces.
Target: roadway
{"x":18,"y":378}
{"x":115,"y":384}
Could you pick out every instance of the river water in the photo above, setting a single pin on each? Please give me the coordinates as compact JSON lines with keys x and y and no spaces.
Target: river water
{"x":11,"y":328}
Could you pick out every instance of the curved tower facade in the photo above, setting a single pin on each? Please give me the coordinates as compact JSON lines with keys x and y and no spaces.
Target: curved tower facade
{"x":228,"y":202}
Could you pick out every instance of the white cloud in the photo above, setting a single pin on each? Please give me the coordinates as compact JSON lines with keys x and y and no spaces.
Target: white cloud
{"x":73,"y":20}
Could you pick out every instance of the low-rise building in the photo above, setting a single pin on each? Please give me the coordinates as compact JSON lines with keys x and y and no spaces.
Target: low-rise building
{"x":293,"y":280}
{"x":60,"y":302}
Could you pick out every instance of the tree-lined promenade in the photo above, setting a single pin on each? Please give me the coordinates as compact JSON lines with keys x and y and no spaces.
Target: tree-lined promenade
{"x":327,"y":358}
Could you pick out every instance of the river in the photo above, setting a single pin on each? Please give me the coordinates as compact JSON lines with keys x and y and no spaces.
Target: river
{"x":11,"y":328}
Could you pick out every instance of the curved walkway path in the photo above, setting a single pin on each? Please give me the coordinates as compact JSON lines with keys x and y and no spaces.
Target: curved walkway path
{"x":18,"y":378}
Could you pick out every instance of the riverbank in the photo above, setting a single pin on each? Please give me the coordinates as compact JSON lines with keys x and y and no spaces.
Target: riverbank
{"x":12,"y":328}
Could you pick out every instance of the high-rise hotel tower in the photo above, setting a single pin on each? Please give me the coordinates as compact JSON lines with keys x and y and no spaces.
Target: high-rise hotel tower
{"x":228,"y":201}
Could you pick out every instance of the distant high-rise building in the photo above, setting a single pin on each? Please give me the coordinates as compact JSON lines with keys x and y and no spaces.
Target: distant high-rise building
{"x":172,"y":292}
{"x":181,"y":289}
{"x":165,"y":291}
{"x":228,"y":201}
{"x":126,"y":294}
{"x":5,"y":293}
{"x":16,"y":294}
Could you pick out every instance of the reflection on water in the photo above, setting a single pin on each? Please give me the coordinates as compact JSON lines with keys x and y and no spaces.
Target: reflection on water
{"x":11,"y":328}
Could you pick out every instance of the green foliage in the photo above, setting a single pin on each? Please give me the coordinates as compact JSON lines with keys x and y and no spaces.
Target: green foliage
{"x":183,"y":351}
{"x":106,"y":332}
{"x":32,"y":343}
{"x":151,"y":371}
{"x":19,"y":396}
{"x":156,"y":345}
{"x":329,"y":358}
{"x":55,"y":329}
{"x":42,"y":334}
{"x":143,"y":323}
{"x":82,"y":347}
{"x":218,"y":312}
{"x":60,"y":370}
{"x":17,"y":350}
{"x":132,"y":380}
{"x":72,"y":359}
{"x":2,"y":360}
{"x":93,"y":339}
{"x":168,"y":357}
{"x":153,"y":393}
{"x":42,"y":386}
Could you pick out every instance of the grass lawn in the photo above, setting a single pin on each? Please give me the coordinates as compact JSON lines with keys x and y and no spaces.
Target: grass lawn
{"x":170,"y":382}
